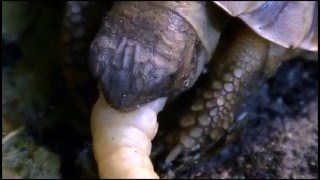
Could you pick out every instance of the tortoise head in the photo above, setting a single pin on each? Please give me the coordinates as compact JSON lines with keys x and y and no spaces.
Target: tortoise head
{"x":144,"y":51}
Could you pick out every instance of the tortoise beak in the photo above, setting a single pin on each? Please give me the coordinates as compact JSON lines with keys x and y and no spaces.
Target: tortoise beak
{"x":125,"y":71}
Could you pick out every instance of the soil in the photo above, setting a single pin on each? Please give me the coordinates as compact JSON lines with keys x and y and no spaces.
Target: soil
{"x":22,"y":158}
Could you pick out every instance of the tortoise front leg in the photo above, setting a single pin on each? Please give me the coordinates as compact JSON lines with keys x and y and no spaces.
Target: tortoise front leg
{"x":237,"y":65}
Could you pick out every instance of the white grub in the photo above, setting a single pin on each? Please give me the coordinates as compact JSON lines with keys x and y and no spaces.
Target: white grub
{"x":122,"y":141}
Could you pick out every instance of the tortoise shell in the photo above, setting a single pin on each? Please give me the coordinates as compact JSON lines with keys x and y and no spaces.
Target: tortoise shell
{"x":291,"y":24}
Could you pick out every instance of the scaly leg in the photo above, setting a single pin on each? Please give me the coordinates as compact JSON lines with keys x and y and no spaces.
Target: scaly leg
{"x":236,"y":67}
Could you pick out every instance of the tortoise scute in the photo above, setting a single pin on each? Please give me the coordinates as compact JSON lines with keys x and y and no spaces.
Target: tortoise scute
{"x":241,"y":7}
{"x":285,"y":23}
{"x":310,"y":42}
{"x":291,"y":24}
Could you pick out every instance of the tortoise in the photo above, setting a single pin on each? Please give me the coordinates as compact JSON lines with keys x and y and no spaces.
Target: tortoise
{"x":147,"y":50}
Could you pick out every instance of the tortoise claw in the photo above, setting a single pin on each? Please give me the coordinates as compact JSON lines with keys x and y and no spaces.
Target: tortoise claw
{"x":174,"y":153}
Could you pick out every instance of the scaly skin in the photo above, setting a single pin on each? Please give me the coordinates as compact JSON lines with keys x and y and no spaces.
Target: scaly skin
{"x":241,"y":60}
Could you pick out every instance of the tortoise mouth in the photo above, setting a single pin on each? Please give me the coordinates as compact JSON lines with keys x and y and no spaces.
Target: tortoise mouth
{"x":133,"y":73}
{"x":126,"y":71}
